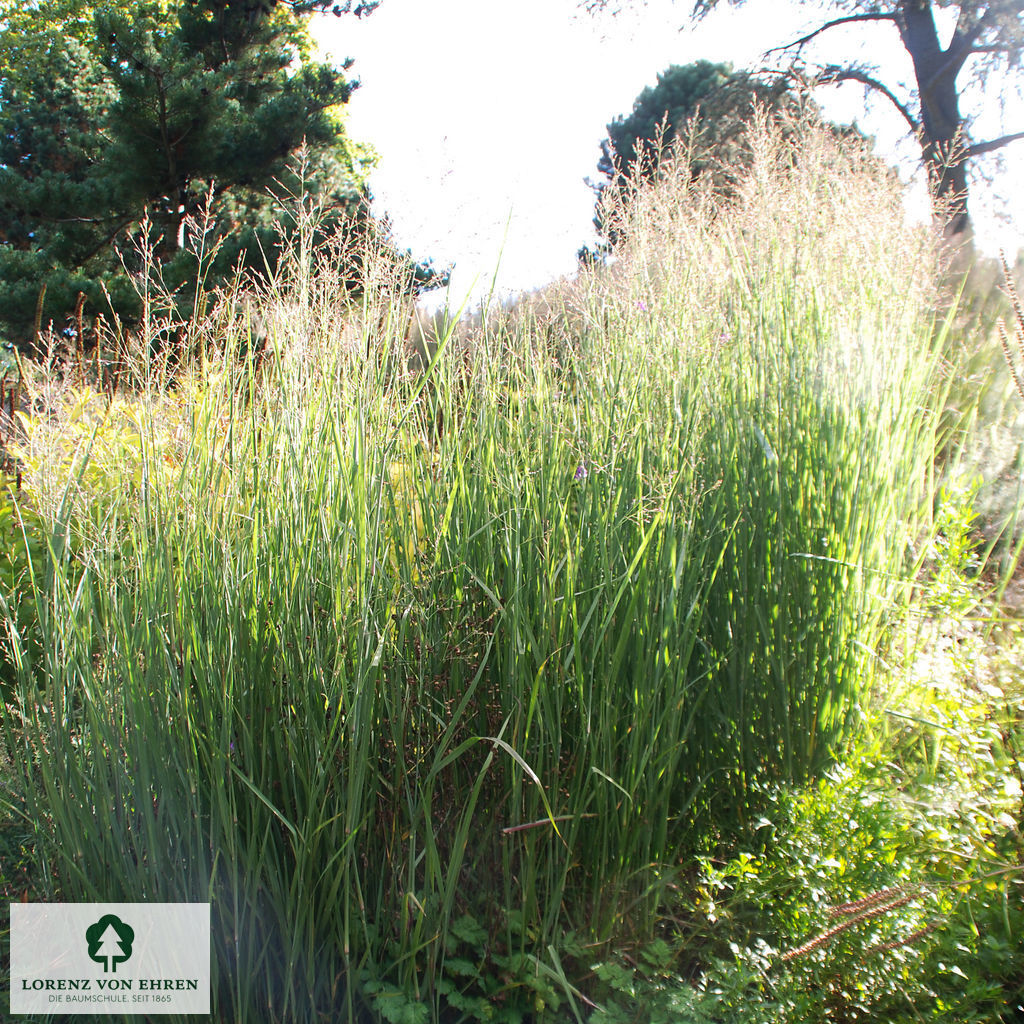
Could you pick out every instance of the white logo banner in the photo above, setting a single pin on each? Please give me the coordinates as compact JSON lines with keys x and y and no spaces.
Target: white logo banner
{"x":116,"y":958}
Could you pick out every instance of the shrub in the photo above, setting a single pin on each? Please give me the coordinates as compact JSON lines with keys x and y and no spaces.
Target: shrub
{"x":849,"y":903}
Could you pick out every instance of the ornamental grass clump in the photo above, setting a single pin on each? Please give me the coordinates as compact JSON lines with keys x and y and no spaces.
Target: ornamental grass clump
{"x":430,"y":680}
{"x":806,"y":300}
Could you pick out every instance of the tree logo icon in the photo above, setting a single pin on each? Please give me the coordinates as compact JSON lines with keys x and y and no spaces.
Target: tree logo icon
{"x":110,"y":942}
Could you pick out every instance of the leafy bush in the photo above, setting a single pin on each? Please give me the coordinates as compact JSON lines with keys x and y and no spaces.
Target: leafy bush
{"x":851,"y":906}
{"x":93,"y":456}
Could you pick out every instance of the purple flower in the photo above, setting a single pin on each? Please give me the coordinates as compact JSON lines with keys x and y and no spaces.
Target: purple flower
{"x":581,"y":472}
{"x":641,"y":305}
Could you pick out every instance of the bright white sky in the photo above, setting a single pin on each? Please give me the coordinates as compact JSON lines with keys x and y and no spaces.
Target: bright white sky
{"x":487,"y":116}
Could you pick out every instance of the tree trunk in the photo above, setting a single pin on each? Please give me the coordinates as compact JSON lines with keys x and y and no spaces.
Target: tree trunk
{"x":942,"y":139}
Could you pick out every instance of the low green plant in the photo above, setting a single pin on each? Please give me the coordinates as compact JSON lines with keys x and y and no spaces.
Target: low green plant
{"x":483,"y":978}
{"x":849,"y":906}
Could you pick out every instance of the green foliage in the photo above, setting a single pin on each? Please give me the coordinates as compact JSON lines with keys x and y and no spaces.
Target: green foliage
{"x":848,"y":907}
{"x":892,"y":888}
{"x":953,"y":560}
{"x":649,"y":989}
{"x":103,"y":459}
{"x":484,"y":977}
{"x":842,"y":844}
{"x":123,"y":125}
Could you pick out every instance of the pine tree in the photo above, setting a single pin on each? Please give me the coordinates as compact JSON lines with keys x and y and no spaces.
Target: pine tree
{"x":116,"y":114}
{"x":711,"y":106}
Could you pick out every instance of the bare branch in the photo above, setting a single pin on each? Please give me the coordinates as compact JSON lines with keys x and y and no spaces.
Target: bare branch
{"x":961,"y":47}
{"x":992,"y":48}
{"x":80,"y":261}
{"x":962,"y":21}
{"x":986,"y":147}
{"x":799,"y":44}
{"x":966,"y":33}
{"x":833,"y":75}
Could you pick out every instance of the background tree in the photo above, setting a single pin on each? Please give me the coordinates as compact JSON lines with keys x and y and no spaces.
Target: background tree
{"x":724,"y":98}
{"x":115,"y":114}
{"x":712,"y":102}
{"x":52,"y":223}
{"x":986,"y":46}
